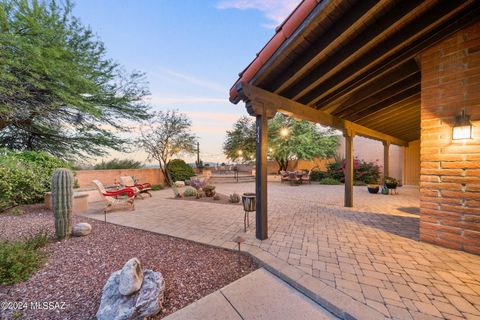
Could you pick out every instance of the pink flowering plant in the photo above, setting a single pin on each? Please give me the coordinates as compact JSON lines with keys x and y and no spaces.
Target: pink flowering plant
{"x":365,"y":171}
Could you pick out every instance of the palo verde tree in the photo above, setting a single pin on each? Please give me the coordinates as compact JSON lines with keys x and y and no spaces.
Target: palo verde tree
{"x":240,"y":142}
{"x":165,"y":135}
{"x":288,"y":139}
{"x":58,"y":91}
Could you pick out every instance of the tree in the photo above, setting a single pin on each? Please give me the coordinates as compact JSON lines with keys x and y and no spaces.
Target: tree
{"x":58,"y":91}
{"x":240,"y":142}
{"x":288,"y":139}
{"x":165,"y":135}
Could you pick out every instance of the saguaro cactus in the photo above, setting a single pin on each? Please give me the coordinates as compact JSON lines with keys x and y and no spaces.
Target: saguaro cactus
{"x":62,"y":201}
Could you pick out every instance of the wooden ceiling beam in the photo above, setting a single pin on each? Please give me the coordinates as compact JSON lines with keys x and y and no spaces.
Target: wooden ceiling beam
{"x":393,"y":123}
{"x":369,"y":88}
{"x":381,"y":31}
{"x":408,"y":132}
{"x":252,"y":94}
{"x":326,"y":42}
{"x":401,"y":96}
{"x":379,"y":97}
{"x":385,"y":117}
{"x":358,"y":73}
{"x":413,"y":100}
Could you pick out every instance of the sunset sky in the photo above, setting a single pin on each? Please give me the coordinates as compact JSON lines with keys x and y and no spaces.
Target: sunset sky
{"x":191,"y":51}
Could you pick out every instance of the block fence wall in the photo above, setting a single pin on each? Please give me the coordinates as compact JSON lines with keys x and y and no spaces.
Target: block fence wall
{"x":450,"y":170}
{"x":109,"y":177}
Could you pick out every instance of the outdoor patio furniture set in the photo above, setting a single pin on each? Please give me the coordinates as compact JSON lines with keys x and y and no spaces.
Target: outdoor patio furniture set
{"x":295,"y":177}
{"x":124,"y":193}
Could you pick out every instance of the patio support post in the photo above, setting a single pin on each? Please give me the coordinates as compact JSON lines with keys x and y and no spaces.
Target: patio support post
{"x":261,"y":222}
{"x":386,"y":158}
{"x":349,"y":134}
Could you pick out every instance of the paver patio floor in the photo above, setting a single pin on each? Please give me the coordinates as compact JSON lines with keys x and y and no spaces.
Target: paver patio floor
{"x":370,"y":253}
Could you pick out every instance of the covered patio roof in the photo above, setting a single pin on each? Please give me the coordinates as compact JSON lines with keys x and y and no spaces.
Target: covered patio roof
{"x":352,"y":63}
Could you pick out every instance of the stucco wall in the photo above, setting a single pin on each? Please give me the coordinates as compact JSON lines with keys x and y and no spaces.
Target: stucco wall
{"x":109,"y":177}
{"x":372,"y":150}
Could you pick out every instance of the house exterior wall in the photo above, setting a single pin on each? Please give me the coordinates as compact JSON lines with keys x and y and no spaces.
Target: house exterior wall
{"x":372,"y":150}
{"x":411,"y":163}
{"x":450,"y":170}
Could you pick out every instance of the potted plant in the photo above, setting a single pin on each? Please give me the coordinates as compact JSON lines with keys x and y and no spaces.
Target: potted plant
{"x":373,"y":186}
{"x":209,"y":190}
{"x":391,"y":183}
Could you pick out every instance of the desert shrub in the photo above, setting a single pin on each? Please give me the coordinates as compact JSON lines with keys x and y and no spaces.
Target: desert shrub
{"x":317,"y":175}
{"x":329,"y":181}
{"x":209,"y":190}
{"x":19,"y":259}
{"x":118,"y":164}
{"x":157,"y":187}
{"x":234,"y":198}
{"x":179,"y":170}
{"x":190,"y":192}
{"x":364,"y":171}
{"x":25,"y":176}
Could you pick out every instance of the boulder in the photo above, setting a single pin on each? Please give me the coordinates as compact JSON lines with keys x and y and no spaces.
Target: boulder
{"x":146,"y":302}
{"x":131,"y":277}
{"x":81,"y":229}
{"x":179,"y":184}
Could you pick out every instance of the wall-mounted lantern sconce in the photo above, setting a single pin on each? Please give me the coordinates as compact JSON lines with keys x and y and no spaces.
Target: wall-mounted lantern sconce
{"x":462,"y":128}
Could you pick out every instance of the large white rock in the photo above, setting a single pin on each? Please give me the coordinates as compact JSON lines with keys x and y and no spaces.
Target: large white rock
{"x":146,"y":302}
{"x":179,"y":184}
{"x":131,"y":277}
{"x":81,"y":229}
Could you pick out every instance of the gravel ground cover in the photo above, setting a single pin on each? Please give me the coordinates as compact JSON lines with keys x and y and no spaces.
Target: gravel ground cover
{"x":76,"y":269}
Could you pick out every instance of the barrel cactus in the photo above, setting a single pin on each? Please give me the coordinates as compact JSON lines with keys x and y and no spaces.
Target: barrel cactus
{"x":62,"y":201}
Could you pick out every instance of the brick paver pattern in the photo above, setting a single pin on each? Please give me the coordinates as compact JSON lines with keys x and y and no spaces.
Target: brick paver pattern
{"x":370,"y":252}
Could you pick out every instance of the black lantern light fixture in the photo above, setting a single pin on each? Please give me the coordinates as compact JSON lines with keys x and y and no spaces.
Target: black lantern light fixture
{"x":462,"y":128}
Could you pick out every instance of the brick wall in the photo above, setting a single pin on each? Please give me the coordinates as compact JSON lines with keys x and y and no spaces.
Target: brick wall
{"x":450,"y":170}
{"x":108,"y":177}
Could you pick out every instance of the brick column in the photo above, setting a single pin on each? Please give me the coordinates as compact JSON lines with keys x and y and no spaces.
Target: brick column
{"x":450,"y":170}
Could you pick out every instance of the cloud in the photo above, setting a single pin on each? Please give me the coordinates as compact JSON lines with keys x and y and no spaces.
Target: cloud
{"x":207,"y":84}
{"x":160,"y":100}
{"x":274,"y":10}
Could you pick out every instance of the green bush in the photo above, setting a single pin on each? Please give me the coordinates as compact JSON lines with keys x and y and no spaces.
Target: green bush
{"x":118,"y":164}
{"x":317,"y":175}
{"x":157,"y":187}
{"x":25,"y":176}
{"x":19,"y":259}
{"x":359,"y":183}
{"x":179,"y":170}
{"x":329,"y":181}
{"x":190,"y":192}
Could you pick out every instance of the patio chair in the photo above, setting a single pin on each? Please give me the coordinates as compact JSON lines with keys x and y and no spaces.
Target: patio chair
{"x":293,"y":178}
{"x":306,"y":177}
{"x":116,"y":198}
{"x":128,"y":182}
{"x":283,"y":176}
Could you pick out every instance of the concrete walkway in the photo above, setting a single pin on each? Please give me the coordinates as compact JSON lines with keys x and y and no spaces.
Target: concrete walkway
{"x":259,"y":295}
